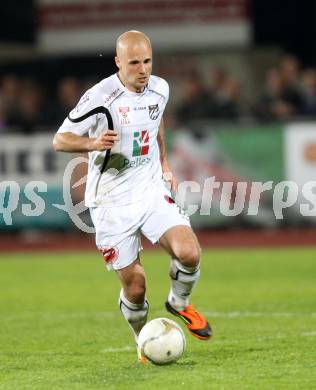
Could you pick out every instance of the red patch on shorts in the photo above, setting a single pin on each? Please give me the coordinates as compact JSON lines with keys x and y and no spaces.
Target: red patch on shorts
{"x":110,"y":254}
{"x":168,"y":199}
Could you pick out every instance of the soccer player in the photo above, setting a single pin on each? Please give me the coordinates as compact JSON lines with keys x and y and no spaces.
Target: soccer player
{"x":125,"y":189}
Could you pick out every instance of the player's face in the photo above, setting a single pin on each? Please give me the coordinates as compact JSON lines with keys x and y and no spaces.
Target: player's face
{"x":135,"y":65}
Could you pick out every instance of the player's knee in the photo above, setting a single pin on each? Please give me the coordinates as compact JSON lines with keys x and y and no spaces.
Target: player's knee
{"x":189,"y":255}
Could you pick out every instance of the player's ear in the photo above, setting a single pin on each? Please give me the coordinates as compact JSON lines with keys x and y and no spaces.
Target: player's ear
{"x":117,"y":61}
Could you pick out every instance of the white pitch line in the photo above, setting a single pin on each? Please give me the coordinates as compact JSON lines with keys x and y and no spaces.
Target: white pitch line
{"x":56,"y":315}
{"x":245,"y":314}
{"x":153,"y":314}
{"x":309,"y":334}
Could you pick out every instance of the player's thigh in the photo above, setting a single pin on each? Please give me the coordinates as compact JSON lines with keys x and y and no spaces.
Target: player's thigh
{"x":163,"y":215}
{"x":170,"y":226}
{"x":181,"y":243}
{"x":117,"y":237}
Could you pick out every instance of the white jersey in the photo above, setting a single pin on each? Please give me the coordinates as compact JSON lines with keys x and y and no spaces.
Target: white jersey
{"x":121,"y":176}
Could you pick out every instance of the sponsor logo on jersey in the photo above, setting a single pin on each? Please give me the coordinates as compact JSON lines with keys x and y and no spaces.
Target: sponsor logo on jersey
{"x":140,"y":143}
{"x":139,"y":108}
{"x":153,"y":111}
{"x":136,"y":162}
{"x":124,"y":119}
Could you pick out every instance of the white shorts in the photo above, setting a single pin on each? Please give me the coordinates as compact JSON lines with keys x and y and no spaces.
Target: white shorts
{"x":118,"y":228}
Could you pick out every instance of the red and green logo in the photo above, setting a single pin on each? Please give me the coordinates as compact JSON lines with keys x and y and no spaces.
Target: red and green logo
{"x":140,"y":143}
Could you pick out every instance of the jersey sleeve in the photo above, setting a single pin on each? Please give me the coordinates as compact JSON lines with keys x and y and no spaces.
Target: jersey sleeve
{"x":165,"y":90}
{"x":84,"y":116}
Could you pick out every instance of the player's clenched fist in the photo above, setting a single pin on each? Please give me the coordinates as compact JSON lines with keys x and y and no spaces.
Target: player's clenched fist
{"x":106,"y":140}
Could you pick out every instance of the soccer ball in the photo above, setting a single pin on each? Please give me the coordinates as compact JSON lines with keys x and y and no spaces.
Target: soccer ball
{"x":161,"y":341}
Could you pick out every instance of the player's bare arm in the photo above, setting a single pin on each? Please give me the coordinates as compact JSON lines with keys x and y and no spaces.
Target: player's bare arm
{"x":164,"y":158}
{"x":72,"y":143}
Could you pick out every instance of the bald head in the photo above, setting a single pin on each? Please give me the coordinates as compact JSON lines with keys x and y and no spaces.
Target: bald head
{"x":131,"y":38}
{"x":134,"y":59}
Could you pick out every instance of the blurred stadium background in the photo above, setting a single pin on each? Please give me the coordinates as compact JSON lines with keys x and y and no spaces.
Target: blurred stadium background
{"x":242,"y":107}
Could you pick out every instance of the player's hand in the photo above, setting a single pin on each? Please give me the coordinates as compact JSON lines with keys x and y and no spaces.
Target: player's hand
{"x":106,"y":140}
{"x":170,"y":178}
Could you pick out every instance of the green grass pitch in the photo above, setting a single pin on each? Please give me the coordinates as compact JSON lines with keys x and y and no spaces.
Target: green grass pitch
{"x":60,"y":327}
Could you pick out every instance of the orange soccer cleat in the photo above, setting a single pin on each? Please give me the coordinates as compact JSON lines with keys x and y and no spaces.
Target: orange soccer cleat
{"x":195,"y":322}
{"x":141,"y":357}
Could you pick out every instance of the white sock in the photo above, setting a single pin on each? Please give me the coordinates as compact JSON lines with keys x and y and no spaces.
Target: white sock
{"x":183,"y":279}
{"x":134,"y":313}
